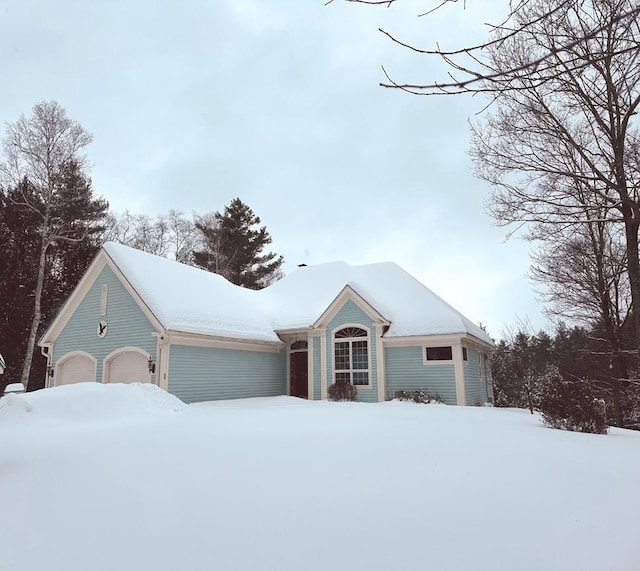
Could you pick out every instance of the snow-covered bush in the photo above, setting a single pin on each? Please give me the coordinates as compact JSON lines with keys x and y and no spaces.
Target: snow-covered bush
{"x":342,"y":391}
{"x":571,"y":405}
{"x":420,"y":396}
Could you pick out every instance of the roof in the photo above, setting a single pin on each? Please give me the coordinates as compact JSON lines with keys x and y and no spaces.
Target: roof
{"x":188,"y":299}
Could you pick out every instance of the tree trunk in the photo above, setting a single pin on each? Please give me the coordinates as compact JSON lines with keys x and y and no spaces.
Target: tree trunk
{"x":631,"y":224}
{"x":37,"y":310}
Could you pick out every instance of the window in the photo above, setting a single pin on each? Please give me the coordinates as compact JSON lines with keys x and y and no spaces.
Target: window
{"x":464,"y":354}
{"x":439,"y":354}
{"x":351,"y":356}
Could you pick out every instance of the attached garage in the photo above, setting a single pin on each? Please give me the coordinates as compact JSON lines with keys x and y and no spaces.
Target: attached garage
{"x":75,"y":367}
{"x":127,"y":365}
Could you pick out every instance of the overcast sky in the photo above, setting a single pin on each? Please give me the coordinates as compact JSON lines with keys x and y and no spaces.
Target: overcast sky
{"x":193,"y":103}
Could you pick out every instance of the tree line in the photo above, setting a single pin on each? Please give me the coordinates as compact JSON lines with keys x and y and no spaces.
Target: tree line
{"x":52,"y":224}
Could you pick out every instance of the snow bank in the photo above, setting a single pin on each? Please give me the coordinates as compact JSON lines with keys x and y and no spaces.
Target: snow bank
{"x":264,"y":484}
{"x":87,"y":401}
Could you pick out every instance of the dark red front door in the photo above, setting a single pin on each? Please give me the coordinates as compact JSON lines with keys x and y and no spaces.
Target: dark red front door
{"x":298,"y":374}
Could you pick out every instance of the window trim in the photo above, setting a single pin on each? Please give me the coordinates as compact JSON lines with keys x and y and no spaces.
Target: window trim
{"x":350,"y":340}
{"x":430,"y":362}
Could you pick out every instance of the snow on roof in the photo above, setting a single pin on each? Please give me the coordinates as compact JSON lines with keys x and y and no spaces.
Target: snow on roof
{"x":192,"y":300}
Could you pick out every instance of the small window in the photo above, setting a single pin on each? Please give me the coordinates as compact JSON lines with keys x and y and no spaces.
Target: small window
{"x":104,"y":295}
{"x":439,"y":354}
{"x":464,"y":354}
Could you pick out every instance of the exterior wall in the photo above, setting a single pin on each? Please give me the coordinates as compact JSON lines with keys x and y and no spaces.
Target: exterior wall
{"x":351,"y":314}
{"x":127,"y":324}
{"x":206,"y":373}
{"x":405,"y":370}
{"x":317,"y":377}
{"x":476,"y":385}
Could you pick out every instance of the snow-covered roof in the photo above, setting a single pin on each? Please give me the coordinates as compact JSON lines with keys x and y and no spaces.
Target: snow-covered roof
{"x":192,"y":300}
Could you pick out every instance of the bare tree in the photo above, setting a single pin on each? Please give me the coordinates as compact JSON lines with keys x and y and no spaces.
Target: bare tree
{"x":171,"y":235}
{"x":37,"y":149}
{"x":468,"y":68}
{"x":558,"y":133}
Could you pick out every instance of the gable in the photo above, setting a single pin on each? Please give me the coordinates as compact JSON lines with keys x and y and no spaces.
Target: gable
{"x":347,"y":302}
{"x":126,"y":323}
{"x":101,"y":271}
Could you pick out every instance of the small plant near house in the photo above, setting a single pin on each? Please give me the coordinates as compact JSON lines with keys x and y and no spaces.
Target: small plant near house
{"x":570,"y":405}
{"x":342,"y":392}
{"x":420,"y":396}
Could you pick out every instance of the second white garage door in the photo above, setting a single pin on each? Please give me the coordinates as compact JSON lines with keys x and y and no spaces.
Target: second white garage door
{"x":128,"y":367}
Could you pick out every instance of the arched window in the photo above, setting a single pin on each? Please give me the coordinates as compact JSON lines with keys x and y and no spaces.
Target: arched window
{"x":351,"y":356}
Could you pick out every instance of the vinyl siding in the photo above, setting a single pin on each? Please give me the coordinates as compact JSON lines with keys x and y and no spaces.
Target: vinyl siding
{"x":405,"y":370}
{"x":317,"y":377}
{"x":127,"y":324}
{"x":475,"y":385}
{"x":350,"y":313}
{"x":199,"y":374}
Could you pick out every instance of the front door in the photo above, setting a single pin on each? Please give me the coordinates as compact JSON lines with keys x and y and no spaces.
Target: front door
{"x":298,"y":374}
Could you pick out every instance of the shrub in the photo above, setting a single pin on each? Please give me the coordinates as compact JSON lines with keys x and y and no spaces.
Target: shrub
{"x":420,"y":396}
{"x":571,"y":405}
{"x":342,"y":391}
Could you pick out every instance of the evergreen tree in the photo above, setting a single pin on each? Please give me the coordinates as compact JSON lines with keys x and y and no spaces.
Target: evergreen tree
{"x":233,"y":247}
{"x":66,"y":260}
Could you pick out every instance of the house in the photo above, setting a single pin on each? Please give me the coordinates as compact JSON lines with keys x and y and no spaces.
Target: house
{"x":139,"y":317}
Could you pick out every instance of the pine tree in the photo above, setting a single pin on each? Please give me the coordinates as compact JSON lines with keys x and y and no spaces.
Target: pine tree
{"x":73,"y":210}
{"x":233,"y":247}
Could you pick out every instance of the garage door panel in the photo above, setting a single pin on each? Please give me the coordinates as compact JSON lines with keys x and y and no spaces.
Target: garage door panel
{"x":128,"y":367}
{"x":78,"y":369}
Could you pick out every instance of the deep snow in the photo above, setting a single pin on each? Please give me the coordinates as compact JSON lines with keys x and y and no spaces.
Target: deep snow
{"x":116,"y":477}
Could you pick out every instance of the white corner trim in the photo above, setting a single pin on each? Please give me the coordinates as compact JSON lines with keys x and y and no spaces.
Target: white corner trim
{"x":458,"y":366}
{"x":323,"y":365}
{"x":380,"y":364}
{"x":310,"y":380}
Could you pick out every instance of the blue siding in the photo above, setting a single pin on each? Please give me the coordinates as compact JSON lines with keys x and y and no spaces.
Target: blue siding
{"x":204,"y":373}
{"x":351,"y":313}
{"x":127,"y":324}
{"x":317,"y":375}
{"x":475,"y":385}
{"x":405,"y":370}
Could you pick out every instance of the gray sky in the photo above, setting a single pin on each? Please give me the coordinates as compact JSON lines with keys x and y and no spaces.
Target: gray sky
{"x":193,"y":103}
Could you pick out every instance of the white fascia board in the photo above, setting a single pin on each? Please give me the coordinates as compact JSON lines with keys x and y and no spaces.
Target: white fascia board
{"x":437,"y":341}
{"x":198,"y":340}
{"x":73,"y":301}
{"x":135,"y":295}
{"x":348,"y":293}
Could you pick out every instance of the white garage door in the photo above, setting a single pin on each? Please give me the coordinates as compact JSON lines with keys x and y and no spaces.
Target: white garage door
{"x":128,"y":367}
{"x":77,"y":369}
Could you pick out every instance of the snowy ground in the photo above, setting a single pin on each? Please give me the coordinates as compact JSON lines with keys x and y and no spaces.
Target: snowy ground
{"x":121,"y":477}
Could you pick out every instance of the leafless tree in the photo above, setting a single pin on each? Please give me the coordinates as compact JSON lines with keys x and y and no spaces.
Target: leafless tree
{"x":569,"y":129}
{"x":37,"y":149}
{"x":169,"y":235}
{"x":469,"y":68}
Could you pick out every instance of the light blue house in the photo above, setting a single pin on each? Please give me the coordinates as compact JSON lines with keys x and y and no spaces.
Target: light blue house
{"x":139,"y":317}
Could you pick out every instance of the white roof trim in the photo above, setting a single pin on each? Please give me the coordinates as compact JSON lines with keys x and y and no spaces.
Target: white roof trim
{"x":348,"y":294}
